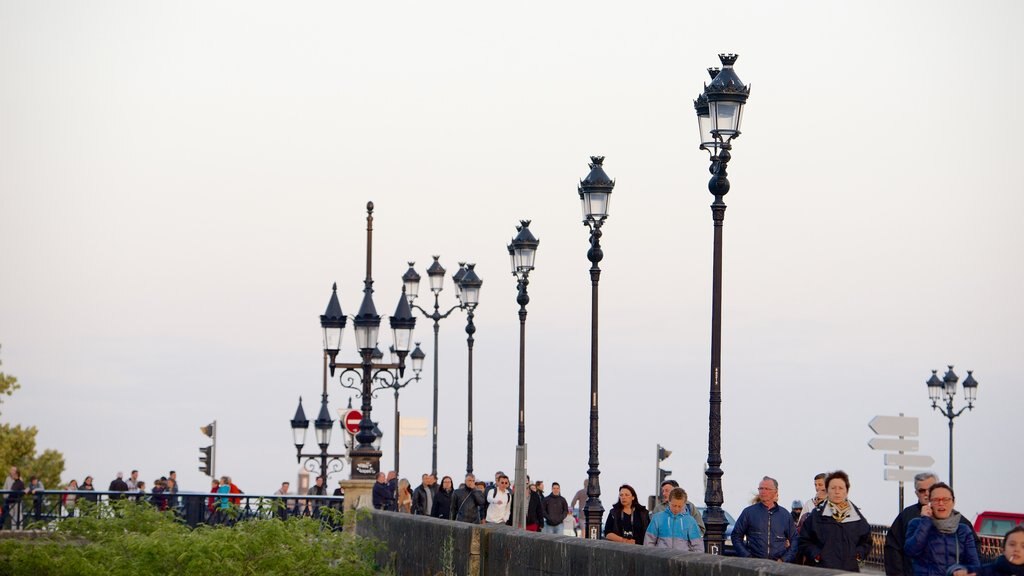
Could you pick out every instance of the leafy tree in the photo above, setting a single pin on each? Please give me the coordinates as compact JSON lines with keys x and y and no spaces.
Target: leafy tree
{"x":18,"y":446}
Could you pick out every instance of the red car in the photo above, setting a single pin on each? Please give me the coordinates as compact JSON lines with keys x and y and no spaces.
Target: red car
{"x":996,"y":523}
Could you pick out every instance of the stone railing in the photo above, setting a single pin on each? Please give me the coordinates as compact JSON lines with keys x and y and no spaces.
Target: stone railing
{"x":421,"y":546}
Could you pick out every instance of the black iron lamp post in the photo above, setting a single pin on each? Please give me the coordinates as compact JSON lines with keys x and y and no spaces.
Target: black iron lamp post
{"x":947,"y":387}
{"x":595,"y":193}
{"x":365,"y":456}
{"x":719,"y":111}
{"x":522,"y":251}
{"x":468,"y":284}
{"x":411,"y":280}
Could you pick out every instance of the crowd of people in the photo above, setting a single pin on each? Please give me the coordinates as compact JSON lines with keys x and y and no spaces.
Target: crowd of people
{"x":479,"y":502}
{"x":21,"y":499}
{"x":928,"y":538}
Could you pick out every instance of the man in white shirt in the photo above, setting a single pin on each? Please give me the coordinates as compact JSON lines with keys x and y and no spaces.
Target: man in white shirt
{"x":498,"y":499}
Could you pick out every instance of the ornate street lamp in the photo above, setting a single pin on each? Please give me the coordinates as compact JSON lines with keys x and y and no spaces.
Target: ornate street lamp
{"x":411,"y":281}
{"x":365,"y":454}
{"x":468,"y":284}
{"x":719,"y":111}
{"x":595,"y":193}
{"x":522,"y":252}
{"x":947,"y":387}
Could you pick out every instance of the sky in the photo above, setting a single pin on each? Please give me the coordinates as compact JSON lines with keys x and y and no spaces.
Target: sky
{"x":181,"y":184}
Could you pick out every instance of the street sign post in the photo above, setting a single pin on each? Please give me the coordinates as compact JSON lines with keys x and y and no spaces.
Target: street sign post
{"x":908,"y":465}
{"x":900,"y":474}
{"x":894,"y":444}
{"x":909,"y":460}
{"x":894,"y":425}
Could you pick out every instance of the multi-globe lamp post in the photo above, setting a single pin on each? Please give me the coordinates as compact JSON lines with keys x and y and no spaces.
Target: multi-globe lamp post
{"x":719,"y":111}
{"x":522,"y":251}
{"x":946,"y":387}
{"x":365,"y":456}
{"x":411,"y":281}
{"x":595,"y":193}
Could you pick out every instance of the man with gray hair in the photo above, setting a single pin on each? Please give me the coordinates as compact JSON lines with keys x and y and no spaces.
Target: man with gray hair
{"x":765,"y":529}
{"x":897,"y":563}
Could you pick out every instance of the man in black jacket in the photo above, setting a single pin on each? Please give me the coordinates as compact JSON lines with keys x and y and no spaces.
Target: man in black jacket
{"x":423,"y":496}
{"x":467,"y":500}
{"x":555,"y":510}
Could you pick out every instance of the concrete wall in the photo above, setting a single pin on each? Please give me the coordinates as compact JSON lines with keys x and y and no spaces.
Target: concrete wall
{"x":419,"y":546}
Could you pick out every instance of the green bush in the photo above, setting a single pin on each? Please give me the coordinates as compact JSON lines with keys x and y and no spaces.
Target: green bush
{"x":133,"y":539}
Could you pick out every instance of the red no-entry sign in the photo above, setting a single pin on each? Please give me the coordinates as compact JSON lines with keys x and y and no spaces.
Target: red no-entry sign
{"x":351,"y":421}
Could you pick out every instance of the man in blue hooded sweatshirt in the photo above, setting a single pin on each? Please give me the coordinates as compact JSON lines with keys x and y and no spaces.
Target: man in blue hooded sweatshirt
{"x":674,"y":527}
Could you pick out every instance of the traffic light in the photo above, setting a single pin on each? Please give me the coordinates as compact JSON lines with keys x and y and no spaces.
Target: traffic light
{"x":206,"y":461}
{"x":663,"y":453}
{"x":662,"y":474}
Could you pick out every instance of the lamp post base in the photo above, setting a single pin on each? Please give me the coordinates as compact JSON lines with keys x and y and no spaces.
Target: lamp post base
{"x":521,"y":491}
{"x":365,"y":465}
{"x":358,"y":493}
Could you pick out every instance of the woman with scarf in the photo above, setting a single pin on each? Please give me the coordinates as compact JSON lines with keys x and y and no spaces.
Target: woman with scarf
{"x":627,"y":522}
{"x":836,"y":535}
{"x":1011,"y":563}
{"x":937,"y":541}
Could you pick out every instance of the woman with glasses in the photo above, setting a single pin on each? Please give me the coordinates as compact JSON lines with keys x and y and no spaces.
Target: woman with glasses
{"x":937,"y":543}
{"x":836,"y":534}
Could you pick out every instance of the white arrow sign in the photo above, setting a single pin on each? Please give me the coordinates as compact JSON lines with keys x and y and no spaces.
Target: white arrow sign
{"x":894,"y":425}
{"x":909,"y":460}
{"x":893,"y":444}
{"x":900,"y":475}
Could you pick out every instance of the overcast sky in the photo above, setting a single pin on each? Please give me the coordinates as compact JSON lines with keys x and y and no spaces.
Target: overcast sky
{"x":181,"y":183}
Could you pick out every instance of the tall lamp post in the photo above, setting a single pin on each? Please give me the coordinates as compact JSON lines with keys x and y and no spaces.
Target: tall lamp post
{"x":365,"y":456}
{"x":468,"y":284}
{"x":522,"y":251}
{"x":719,"y":111}
{"x":595,"y":193}
{"x":947,"y":387}
{"x":411,"y":280}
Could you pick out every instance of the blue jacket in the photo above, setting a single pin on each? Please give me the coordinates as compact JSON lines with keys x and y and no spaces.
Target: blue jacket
{"x":770,"y":534}
{"x":678,"y":531}
{"x":931,"y":551}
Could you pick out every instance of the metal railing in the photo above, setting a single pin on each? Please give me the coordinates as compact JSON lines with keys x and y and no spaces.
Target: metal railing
{"x":42,"y":510}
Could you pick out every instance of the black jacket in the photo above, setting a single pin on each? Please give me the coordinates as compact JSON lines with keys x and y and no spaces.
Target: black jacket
{"x":466,"y":503}
{"x":555,"y":510}
{"x":830,"y":544}
{"x":1001,"y":567}
{"x":639,"y":520}
{"x":419,"y":499}
{"x":442,"y":505}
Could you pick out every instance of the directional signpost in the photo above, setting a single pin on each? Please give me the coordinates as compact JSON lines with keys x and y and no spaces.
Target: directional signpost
{"x":907,"y":465}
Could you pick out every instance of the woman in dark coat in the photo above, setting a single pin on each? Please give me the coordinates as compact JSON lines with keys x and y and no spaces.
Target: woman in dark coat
{"x":627,"y":522}
{"x":938,"y":541}
{"x":1011,"y":563}
{"x":836,"y":534}
{"x":442,"y":507}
